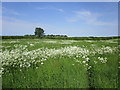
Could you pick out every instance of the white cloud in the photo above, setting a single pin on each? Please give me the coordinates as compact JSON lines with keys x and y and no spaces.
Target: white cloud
{"x":10,"y":11}
{"x":50,"y":8}
{"x":88,"y":17}
{"x":60,"y":10}
{"x":12,"y":26}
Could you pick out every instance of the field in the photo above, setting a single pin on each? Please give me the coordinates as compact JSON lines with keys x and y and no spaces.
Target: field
{"x":46,"y":63}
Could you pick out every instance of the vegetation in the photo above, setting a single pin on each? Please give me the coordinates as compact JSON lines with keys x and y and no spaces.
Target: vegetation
{"x":61,"y":37}
{"x":39,"y":32}
{"x":64,"y":62}
{"x":47,"y":63}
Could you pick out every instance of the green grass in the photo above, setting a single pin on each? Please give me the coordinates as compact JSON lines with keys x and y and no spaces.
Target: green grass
{"x":62,"y":71}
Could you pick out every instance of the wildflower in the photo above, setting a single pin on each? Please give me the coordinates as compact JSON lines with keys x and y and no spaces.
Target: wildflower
{"x":73,"y":64}
{"x":86,"y":64}
{"x":95,"y":62}
{"x":87,"y":59}
{"x":31,"y":44}
{"x":84,"y":61}
{"x":42,"y":63}
{"x":89,"y":67}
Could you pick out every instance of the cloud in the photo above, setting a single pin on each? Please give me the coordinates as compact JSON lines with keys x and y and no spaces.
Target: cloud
{"x":14,"y":26}
{"x":50,"y":8}
{"x":88,"y":17}
{"x":9,"y":11}
{"x":60,"y":10}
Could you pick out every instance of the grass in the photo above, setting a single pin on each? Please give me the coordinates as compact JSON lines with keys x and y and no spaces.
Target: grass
{"x":63,"y":71}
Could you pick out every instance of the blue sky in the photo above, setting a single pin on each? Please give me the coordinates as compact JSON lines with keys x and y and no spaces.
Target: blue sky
{"x":76,"y":19}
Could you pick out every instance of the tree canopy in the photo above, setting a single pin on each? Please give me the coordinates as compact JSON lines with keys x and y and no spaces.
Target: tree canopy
{"x":39,"y":32}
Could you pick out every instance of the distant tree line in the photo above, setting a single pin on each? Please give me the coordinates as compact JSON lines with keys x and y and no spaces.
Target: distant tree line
{"x":62,"y":38}
{"x":40,"y":33}
{"x":55,"y":35}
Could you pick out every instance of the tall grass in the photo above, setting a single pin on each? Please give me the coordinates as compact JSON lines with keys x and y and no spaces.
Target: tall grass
{"x":63,"y":71}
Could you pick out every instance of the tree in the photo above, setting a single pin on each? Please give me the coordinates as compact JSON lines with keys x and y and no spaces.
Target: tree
{"x":39,"y":32}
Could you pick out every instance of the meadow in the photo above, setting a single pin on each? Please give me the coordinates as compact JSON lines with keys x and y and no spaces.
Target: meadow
{"x":47,"y":63}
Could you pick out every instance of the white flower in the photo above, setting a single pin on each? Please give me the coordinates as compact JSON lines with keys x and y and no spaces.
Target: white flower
{"x":89,"y":67}
{"x":42,"y":63}
{"x":31,"y":44}
{"x":20,"y":56}
{"x":84,"y":61}
{"x":95,"y":62}
{"x":86,"y":64}
{"x":87,"y":59}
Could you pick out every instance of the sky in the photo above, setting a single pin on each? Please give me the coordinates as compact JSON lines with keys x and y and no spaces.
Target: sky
{"x":74,"y":19}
